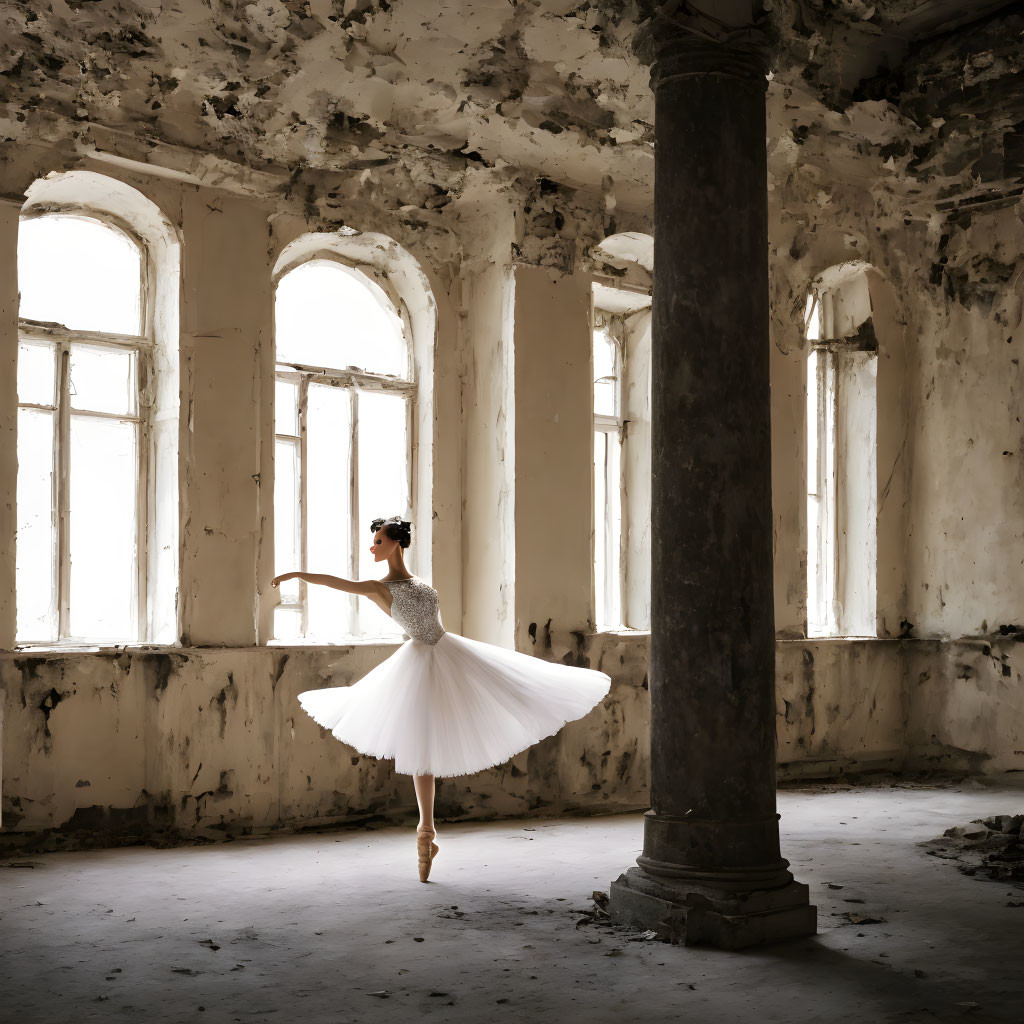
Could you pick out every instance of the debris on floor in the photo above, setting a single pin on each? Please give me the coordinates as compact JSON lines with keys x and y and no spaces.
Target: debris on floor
{"x":991,"y":846}
{"x":862,"y":918}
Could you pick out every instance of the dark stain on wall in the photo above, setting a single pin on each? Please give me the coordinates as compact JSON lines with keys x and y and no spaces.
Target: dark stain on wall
{"x":807,"y":660}
{"x":47,"y":705}
{"x":279,"y":670}
{"x":29,"y":669}
{"x":220,"y":701}
{"x":163,"y":667}
{"x":578,"y":655}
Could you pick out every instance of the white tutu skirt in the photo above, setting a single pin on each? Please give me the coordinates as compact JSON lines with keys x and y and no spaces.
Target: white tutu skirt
{"x":455,"y":707}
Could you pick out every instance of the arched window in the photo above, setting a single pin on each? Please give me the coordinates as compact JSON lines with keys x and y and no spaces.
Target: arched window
{"x":344,"y":433}
{"x":83,"y":360}
{"x":97,"y":553}
{"x":842,"y":506}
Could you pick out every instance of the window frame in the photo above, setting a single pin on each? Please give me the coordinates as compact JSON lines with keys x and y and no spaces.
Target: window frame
{"x":354,"y":382}
{"x":824,"y":495}
{"x":60,"y":338}
{"x":607,"y":424}
{"x":829,"y":469}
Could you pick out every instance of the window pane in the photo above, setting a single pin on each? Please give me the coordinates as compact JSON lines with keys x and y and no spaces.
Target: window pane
{"x":79,"y":272}
{"x":36,"y":373}
{"x":286,"y":407}
{"x":604,"y":354}
{"x":329,"y":517}
{"x":104,"y":379}
{"x":330,"y":315}
{"x":600,"y":528}
{"x":604,"y":397}
{"x":103,"y":478}
{"x":821,"y":506}
{"x":383,"y":488}
{"x":605,"y":371}
{"x":286,"y":516}
{"x":613,"y":532}
{"x":607,"y":529}
{"x":287,"y":624}
{"x":815,"y":616}
{"x":812,"y":423}
{"x":36,"y":547}
{"x":812,"y":318}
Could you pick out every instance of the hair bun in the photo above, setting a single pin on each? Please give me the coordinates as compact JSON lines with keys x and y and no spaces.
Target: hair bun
{"x":395,"y":528}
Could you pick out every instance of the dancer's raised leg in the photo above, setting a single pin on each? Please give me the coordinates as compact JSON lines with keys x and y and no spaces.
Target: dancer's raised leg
{"x":426,"y":848}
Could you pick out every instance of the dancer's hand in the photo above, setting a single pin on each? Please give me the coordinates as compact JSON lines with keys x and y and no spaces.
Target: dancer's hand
{"x":285,"y":576}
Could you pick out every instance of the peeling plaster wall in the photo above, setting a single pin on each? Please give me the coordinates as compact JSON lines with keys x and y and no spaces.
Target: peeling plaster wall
{"x":554,"y":477}
{"x":487,"y":293}
{"x":227,"y":321}
{"x":189,"y":739}
{"x":852,"y":707}
{"x":966,"y":703}
{"x":965,"y":552}
{"x":184,"y":740}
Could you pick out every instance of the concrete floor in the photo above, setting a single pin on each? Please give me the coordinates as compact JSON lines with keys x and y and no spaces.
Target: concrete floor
{"x":335,"y":927}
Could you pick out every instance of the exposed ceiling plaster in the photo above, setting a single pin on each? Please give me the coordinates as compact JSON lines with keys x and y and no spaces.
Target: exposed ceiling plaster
{"x":407,"y":98}
{"x":549,"y":86}
{"x":918,"y":19}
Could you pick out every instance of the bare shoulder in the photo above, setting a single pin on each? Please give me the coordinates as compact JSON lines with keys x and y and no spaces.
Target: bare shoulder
{"x":375,"y":588}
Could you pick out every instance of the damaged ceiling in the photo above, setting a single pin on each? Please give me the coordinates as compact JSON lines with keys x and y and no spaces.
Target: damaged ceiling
{"x":398,"y":100}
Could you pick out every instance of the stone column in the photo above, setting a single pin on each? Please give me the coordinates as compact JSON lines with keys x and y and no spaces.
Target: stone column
{"x":711,"y":870}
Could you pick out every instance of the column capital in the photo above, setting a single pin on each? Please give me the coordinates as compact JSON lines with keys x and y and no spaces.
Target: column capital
{"x":681,"y":41}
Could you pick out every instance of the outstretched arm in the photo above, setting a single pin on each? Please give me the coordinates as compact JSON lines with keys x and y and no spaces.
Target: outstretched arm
{"x":363,"y":587}
{"x":373,"y":589}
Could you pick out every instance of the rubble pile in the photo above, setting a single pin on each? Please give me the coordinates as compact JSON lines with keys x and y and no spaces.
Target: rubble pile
{"x":992,"y":846}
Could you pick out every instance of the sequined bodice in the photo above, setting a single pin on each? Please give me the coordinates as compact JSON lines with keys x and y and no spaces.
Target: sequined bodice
{"x":414,"y":606}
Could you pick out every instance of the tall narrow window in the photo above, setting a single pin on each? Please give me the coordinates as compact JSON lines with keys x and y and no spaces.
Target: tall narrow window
{"x":821,"y":480}
{"x":841,"y":458}
{"x":343,"y":414}
{"x":82,"y":360}
{"x":608,"y":435}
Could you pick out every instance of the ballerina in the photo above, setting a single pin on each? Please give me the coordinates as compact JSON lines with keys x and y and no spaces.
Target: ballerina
{"x":442,"y":704}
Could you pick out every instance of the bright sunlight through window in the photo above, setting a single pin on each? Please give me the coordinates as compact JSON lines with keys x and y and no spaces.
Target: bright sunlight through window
{"x":343,"y":408}
{"x":607,"y":474}
{"x":81,"y":341}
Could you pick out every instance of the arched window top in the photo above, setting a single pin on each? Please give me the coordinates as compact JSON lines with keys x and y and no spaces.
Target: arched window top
{"x":332,"y":315}
{"x":626,"y":248}
{"x":81,"y":272}
{"x":839,"y":302}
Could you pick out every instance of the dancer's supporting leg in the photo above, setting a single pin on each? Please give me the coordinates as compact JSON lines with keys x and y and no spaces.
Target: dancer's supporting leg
{"x":426,"y":848}
{"x":424,"y":785}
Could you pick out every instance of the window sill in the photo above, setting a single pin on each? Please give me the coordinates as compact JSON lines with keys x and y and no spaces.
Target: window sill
{"x":39,"y":650}
{"x":84,"y":647}
{"x":621,"y":631}
{"x":349,"y":641}
{"x":852,"y":638}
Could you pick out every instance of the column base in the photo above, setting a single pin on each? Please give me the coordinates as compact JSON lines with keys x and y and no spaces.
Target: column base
{"x":694,"y":915}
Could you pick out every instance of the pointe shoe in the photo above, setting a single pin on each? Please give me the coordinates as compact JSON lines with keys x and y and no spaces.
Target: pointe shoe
{"x":426,"y":851}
